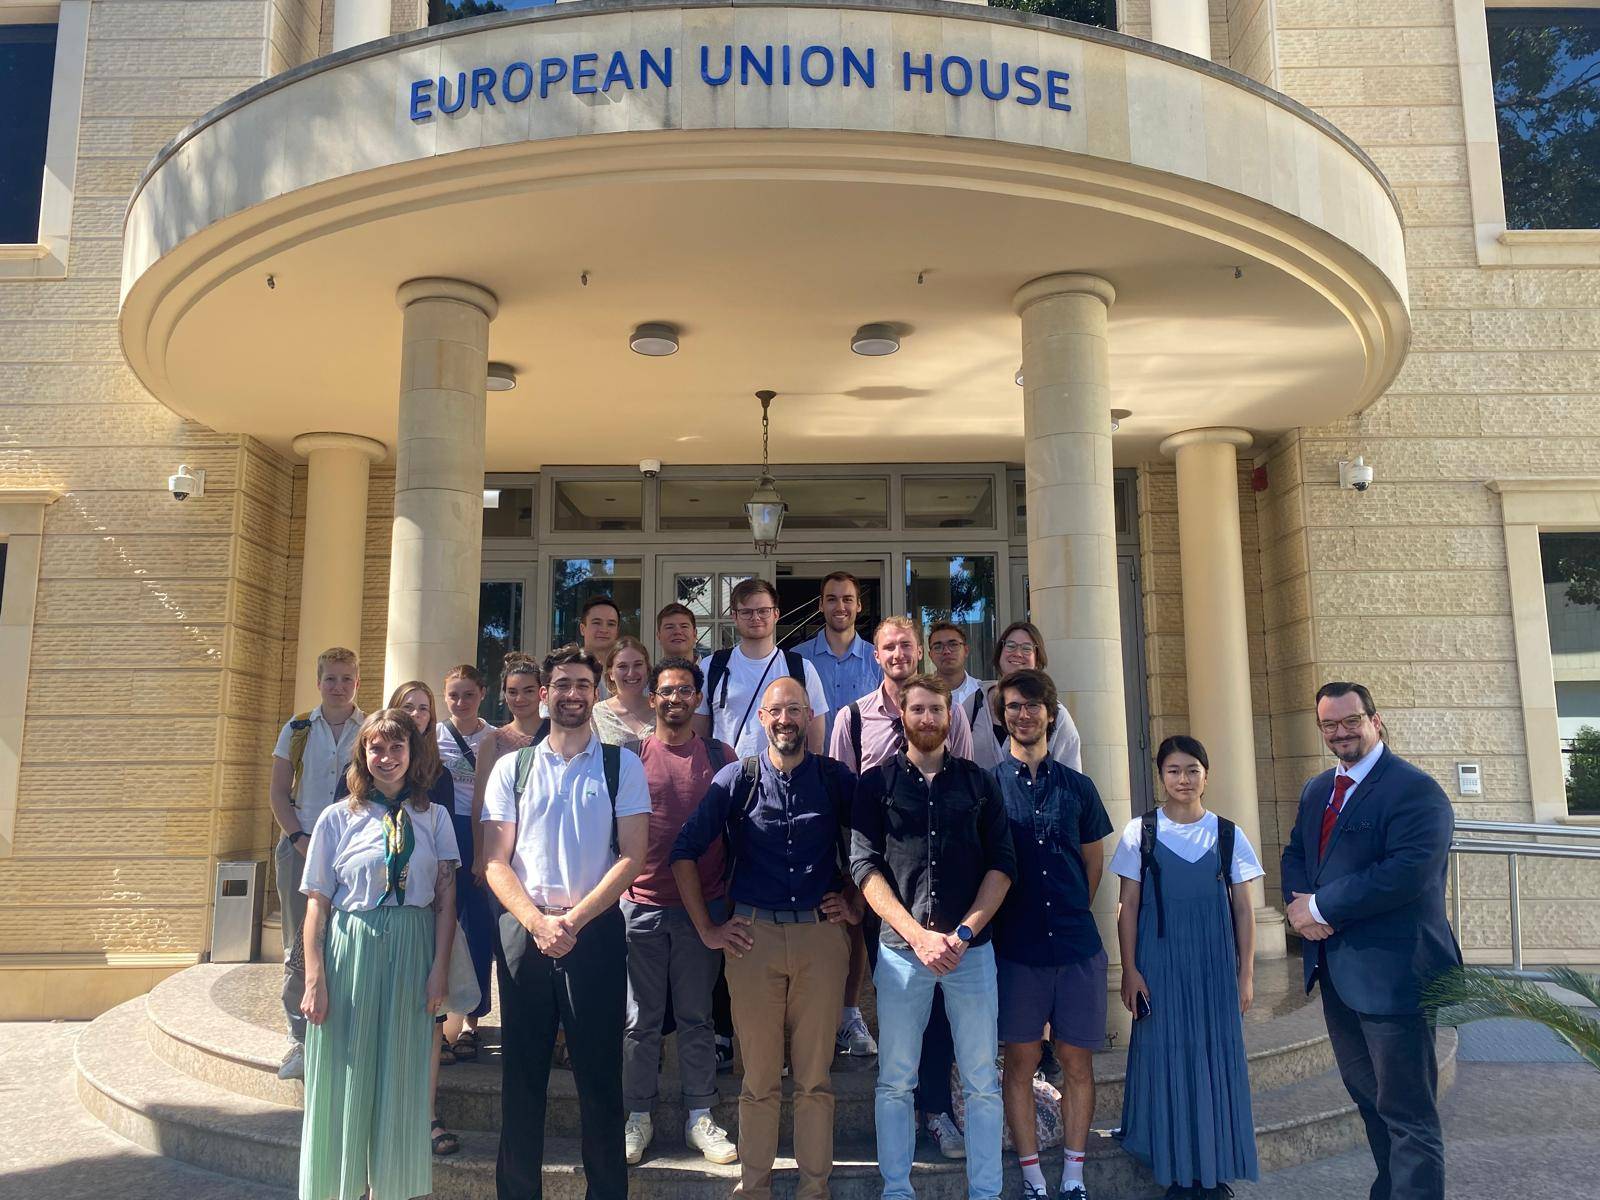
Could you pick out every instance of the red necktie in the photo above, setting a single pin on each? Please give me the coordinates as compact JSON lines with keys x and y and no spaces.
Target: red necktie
{"x":1330,"y":815}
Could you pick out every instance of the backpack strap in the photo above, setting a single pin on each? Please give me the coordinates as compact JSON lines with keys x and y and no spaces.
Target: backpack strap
{"x":744,"y":793}
{"x":717,"y":672}
{"x":299,"y":734}
{"x":1150,"y":870}
{"x":524,"y":770}
{"x":462,"y":745}
{"x":797,"y":666}
{"x":611,"y":764}
{"x":714,"y":754}
{"x":542,"y":732}
{"x":855,"y":732}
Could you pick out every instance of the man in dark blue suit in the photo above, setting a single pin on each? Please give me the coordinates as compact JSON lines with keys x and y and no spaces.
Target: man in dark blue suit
{"x":1363,"y":876}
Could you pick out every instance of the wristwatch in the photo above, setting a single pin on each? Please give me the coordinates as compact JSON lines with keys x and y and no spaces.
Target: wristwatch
{"x":964,"y":932}
{"x":297,"y":835}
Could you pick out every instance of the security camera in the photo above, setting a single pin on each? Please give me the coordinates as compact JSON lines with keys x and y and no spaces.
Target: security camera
{"x":186,"y":483}
{"x":1355,"y":475}
{"x":650,"y":467}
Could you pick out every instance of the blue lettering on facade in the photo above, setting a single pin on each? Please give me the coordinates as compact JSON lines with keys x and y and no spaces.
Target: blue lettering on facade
{"x":592,"y":72}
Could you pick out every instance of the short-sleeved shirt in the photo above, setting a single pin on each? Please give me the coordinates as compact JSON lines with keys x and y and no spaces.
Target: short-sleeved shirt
{"x":960,"y":695}
{"x":563,"y":818}
{"x":679,"y":778}
{"x":1046,"y":920}
{"x":882,"y":733}
{"x":736,"y":720}
{"x":844,"y":677}
{"x":1189,"y":842}
{"x":990,"y":749}
{"x":322,"y":765}
{"x":462,"y":773}
{"x":344,"y":859}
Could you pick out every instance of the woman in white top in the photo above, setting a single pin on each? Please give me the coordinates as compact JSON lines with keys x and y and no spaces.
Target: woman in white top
{"x":1021,"y":648}
{"x":379,"y":881}
{"x":626,"y":716}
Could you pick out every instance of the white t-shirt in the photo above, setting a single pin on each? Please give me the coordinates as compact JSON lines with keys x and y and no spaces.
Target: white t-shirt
{"x":747,"y":678}
{"x":323,"y":762}
{"x":1189,"y":842}
{"x":344,"y":859}
{"x":960,"y":695}
{"x":563,"y":818}
{"x":462,"y":772}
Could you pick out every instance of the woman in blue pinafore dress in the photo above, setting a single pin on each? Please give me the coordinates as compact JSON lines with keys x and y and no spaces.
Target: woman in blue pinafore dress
{"x":1188,"y":953}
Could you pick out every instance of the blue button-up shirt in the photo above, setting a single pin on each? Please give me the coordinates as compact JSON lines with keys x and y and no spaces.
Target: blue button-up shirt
{"x":843,"y":679}
{"x":788,"y":843}
{"x":1046,"y":919}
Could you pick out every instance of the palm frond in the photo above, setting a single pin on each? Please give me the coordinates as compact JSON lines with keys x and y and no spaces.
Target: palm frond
{"x":1471,"y":994}
{"x":1587,"y":986}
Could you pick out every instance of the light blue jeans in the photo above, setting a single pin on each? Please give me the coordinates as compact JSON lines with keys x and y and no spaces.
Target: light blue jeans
{"x":972,"y":1002}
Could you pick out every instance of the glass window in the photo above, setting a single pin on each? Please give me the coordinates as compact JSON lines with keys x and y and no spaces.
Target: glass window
{"x":507,"y":512}
{"x":499,"y":632}
{"x":574,"y":580}
{"x":1546,"y":65}
{"x":949,"y":502}
{"x":837,"y":503}
{"x":599,"y":504}
{"x":1019,"y":508}
{"x":709,"y":594}
{"x":27,"y":69}
{"x":1572,"y":604}
{"x":958,"y":588}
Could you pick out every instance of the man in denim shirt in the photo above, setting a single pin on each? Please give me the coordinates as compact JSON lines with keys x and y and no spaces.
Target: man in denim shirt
{"x":785,"y":817}
{"x":1048,"y":954}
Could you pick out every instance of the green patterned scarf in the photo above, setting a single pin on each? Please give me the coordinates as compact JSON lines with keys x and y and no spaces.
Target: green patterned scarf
{"x":399,"y":840}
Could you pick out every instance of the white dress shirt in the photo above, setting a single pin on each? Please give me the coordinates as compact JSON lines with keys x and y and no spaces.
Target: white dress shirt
{"x":1357,"y":772}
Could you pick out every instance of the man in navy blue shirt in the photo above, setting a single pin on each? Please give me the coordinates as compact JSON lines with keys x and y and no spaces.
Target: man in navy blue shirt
{"x":785,"y":815}
{"x":1048,"y":954}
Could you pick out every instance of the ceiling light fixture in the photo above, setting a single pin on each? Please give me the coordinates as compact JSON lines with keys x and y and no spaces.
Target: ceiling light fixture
{"x":1118,"y":416}
{"x":874,"y":341}
{"x":655,"y":339}
{"x":765,"y":508}
{"x":1018,"y":376}
{"x":501,"y":378}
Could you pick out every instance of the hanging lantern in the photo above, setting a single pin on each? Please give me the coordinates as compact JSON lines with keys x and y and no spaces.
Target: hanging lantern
{"x":766,"y":507}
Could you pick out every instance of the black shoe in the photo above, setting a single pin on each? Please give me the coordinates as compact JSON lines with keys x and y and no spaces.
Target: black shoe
{"x":724,"y":1054}
{"x":1180,"y":1191}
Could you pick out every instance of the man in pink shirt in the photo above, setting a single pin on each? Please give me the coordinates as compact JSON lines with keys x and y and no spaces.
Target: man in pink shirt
{"x":869,"y":730}
{"x":665,"y":953}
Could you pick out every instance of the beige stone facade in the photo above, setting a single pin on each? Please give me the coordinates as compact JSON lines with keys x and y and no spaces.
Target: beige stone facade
{"x":164,"y":636}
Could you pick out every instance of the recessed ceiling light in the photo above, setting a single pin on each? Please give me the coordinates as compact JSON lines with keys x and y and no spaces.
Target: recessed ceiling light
{"x":654,"y":339}
{"x":875,"y":341}
{"x":1118,"y":416}
{"x":1018,"y":377}
{"x":501,"y":378}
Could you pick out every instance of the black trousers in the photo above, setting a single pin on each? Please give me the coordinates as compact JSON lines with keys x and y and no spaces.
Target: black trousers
{"x":585,"y":992}
{"x":1389,"y":1067}
{"x":938,"y":1045}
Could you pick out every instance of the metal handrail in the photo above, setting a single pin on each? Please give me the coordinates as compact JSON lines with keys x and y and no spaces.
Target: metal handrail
{"x":1513,"y":851}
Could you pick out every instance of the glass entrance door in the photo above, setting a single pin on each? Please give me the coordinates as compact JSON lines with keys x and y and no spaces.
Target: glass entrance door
{"x":505,"y":598}
{"x":705,"y":584}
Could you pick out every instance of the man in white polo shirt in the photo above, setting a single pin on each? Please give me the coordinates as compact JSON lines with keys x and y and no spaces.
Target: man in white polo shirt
{"x":566,"y":826}
{"x":312,"y":753}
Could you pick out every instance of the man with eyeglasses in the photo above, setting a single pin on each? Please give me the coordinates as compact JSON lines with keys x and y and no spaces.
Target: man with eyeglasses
{"x":565,"y":831}
{"x":784,"y":816}
{"x":931,"y":850}
{"x":667,"y":961}
{"x":1049,"y":957}
{"x":738,"y":676}
{"x":1021,"y":648}
{"x":1364,"y":881}
{"x":947,"y":648}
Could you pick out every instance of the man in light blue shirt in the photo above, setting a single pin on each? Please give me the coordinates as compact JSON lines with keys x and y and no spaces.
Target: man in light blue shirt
{"x":843,"y":658}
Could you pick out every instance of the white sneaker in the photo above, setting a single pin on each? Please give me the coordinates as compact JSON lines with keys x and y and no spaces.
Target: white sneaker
{"x":293,"y":1065}
{"x":951,"y":1143}
{"x":855,"y":1039}
{"x":706,"y":1136}
{"x":636,"y":1135}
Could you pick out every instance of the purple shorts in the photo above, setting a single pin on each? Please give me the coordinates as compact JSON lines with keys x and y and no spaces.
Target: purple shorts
{"x":1070,"y":999}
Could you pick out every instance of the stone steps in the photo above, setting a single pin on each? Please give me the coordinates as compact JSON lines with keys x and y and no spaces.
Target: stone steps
{"x":164,"y":1076}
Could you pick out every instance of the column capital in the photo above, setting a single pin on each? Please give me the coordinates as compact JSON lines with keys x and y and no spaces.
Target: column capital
{"x":1068,"y":284}
{"x":436,"y":288}
{"x":307,"y":443}
{"x":1215,"y":435}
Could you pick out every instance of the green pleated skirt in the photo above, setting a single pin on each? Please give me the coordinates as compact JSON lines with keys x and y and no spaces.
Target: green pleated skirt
{"x":366,"y":1116}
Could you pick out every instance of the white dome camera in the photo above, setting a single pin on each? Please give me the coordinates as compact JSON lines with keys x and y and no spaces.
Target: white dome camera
{"x":650,"y":467}
{"x":186,"y":483}
{"x":1355,"y":475}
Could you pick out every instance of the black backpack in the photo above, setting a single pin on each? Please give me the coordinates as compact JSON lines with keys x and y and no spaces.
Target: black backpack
{"x":1150,"y":869}
{"x":717,"y":673}
{"x":610,"y":763}
{"x":745,"y":795}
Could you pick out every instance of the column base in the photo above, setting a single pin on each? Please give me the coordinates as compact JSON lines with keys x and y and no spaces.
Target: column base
{"x":1271,"y":934}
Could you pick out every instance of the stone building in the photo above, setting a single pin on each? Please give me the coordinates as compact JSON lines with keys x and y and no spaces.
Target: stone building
{"x":1215,"y":281}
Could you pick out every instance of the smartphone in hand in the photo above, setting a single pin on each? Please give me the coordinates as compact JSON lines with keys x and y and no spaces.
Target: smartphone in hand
{"x":1141,"y":1006}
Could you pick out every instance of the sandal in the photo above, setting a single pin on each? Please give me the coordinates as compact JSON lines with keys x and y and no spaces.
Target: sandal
{"x":444,"y":1142}
{"x":466,"y":1046}
{"x":447,"y":1056}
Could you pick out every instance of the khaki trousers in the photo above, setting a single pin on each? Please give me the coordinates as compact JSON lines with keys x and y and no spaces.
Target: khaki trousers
{"x":791,"y":980}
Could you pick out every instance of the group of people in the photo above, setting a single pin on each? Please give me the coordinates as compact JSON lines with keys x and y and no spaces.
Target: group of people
{"x":725,"y":844}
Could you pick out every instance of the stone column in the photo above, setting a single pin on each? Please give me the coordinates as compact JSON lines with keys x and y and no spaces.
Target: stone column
{"x":335,"y":550}
{"x":1072,"y":535}
{"x":1216,"y":644}
{"x":1182,"y":24}
{"x":358,"y":21}
{"x":436,"y":562}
